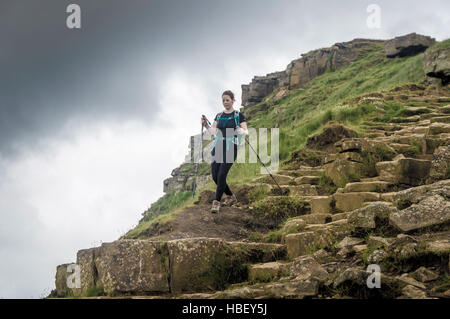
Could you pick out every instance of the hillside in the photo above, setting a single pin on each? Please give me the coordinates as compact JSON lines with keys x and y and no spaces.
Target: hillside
{"x":364,"y":151}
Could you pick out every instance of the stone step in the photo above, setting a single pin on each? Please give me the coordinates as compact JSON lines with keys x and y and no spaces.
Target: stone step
{"x":304,"y":198}
{"x":312,"y":219}
{"x":419,"y":108}
{"x":303,"y":190}
{"x":313,"y":180}
{"x":431,"y":115}
{"x":438,"y":128}
{"x":339,"y":216}
{"x":375,"y":186}
{"x":423,"y":122}
{"x":409,"y":171}
{"x":445,"y":109}
{"x":361,"y":144}
{"x":405,"y":149}
{"x":434,"y":141}
{"x":408,"y":139}
{"x":266,"y":272}
{"x":387,"y":127}
{"x":427,"y":157}
{"x":440,"y":119}
{"x":412,"y":130}
{"x":299,"y":244}
{"x":280,"y":179}
{"x":315,"y":236}
{"x":304,"y":171}
{"x":321,"y":205}
{"x":347,"y":202}
{"x":371,"y":179}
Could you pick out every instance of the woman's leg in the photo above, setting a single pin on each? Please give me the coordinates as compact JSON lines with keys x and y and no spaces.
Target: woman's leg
{"x":222,"y":180}
{"x":227,"y":189}
{"x":214,"y":171}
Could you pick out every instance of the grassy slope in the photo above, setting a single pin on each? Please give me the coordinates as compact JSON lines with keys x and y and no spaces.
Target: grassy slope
{"x":306,"y":111}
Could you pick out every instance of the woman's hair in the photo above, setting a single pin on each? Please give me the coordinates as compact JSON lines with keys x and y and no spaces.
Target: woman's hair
{"x":229,"y":93}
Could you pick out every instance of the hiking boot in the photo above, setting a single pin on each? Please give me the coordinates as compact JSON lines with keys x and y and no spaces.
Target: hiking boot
{"x":215,"y":206}
{"x":230,"y":200}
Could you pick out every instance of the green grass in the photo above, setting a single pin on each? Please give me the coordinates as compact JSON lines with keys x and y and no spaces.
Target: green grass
{"x":444,"y":283}
{"x":166,"y":203}
{"x":440,"y":45}
{"x":162,"y":211}
{"x":94,"y":292}
{"x":279,"y":209}
{"x":258,"y":193}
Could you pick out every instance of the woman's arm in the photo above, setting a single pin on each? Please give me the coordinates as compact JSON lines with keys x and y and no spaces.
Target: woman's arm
{"x":242,"y":129}
{"x":211,"y":129}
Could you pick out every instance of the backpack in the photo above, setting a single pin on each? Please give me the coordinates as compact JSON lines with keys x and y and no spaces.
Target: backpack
{"x":235,"y":140}
{"x":236,"y":117}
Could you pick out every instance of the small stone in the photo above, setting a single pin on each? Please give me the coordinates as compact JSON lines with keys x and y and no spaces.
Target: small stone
{"x":411,"y":281}
{"x":349,"y":241}
{"x":424,"y":274}
{"x":377,"y":256}
{"x":411,"y":292}
{"x":359,"y":248}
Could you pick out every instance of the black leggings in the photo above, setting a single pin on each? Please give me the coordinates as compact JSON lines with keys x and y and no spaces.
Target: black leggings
{"x":219,"y":170}
{"x":219,"y":174}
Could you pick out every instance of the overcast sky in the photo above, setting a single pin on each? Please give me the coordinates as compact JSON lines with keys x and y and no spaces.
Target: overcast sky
{"x":93,"y":119}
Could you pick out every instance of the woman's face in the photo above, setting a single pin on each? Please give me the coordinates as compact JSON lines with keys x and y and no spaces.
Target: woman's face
{"x":227,"y":102}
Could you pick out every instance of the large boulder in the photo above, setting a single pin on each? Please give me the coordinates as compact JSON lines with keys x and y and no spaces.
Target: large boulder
{"x":433,"y":210}
{"x":344,"y":167}
{"x":409,"y":171}
{"x":436,"y":64}
{"x":414,"y":195}
{"x":440,"y":164}
{"x":367,"y":217}
{"x":407,"y":45}
{"x":136,"y":266}
{"x":306,"y":267}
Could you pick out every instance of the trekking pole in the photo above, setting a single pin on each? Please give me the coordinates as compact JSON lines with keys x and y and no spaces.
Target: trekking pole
{"x":194,"y":186}
{"x":281,"y":191}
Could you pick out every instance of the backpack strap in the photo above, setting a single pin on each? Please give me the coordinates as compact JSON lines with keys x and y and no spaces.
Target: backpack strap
{"x":236,"y":118}
{"x":218,"y":116}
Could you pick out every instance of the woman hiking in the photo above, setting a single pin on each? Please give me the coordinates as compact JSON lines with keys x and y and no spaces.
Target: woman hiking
{"x":226,"y":127}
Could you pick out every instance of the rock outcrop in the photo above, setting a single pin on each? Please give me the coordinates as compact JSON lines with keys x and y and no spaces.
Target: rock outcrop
{"x":304,"y":69}
{"x":436,"y":64}
{"x":407,"y":45}
{"x":184,"y":176}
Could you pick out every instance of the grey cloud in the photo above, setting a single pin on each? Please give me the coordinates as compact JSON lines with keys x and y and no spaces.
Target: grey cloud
{"x":110,"y":69}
